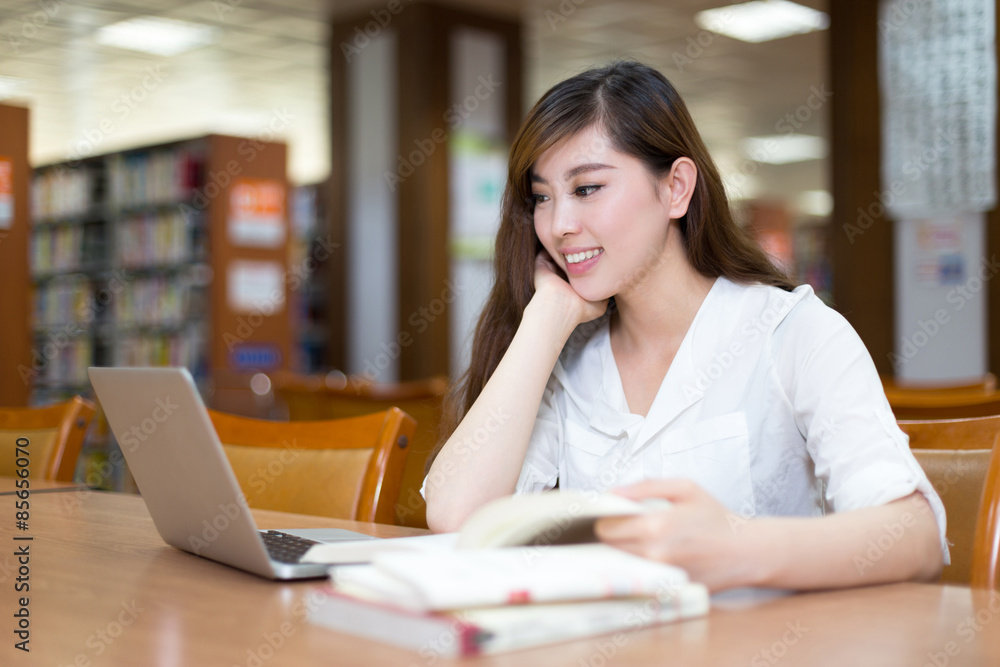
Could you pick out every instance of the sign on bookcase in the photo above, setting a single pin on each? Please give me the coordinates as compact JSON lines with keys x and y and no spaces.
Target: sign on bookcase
{"x":256,"y":213}
{"x":6,"y":192}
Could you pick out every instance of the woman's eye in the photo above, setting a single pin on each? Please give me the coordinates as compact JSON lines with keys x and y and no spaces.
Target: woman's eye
{"x":586,"y":190}
{"x":537,"y":199}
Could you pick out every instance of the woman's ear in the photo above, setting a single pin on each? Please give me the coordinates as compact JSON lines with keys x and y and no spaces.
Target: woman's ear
{"x":680,"y":184}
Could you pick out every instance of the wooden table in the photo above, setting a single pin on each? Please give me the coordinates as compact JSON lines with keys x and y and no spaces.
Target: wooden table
{"x":8,"y":486}
{"x":106,"y":590}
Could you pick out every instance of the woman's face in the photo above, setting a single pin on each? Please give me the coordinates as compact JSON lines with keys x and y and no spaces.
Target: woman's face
{"x":600,"y":214}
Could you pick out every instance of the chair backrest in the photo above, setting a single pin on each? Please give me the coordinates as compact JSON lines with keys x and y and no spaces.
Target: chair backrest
{"x":337,"y":396}
{"x":987,"y":383}
{"x":56,"y":434}
{"x":986,"y":548}
{"x":953,"y":403}
{"x":956,"y":455}
{"x":345,"y":468}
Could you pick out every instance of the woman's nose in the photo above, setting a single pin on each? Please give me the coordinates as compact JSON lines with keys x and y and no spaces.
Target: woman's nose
{"x":564,"y":219}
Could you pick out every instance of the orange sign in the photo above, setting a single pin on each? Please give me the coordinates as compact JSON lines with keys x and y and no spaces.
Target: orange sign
{"x":6,"y":193}
{"x":257,"y":213}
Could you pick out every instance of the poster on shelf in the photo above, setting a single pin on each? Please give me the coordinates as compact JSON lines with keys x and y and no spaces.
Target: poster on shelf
{"x":255,"y":287}
{"x":6,"y":192}
{"x":257,"y":213}
{"x":942,"y":273}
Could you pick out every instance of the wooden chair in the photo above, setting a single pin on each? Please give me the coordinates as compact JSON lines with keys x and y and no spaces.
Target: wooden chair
{"x":986,"y":384}
{"x":959,"y":457}
{"x":56,"y":434}
{"x":345,"y":468}
{"x":946,"y":405}
{"x":942,"y":401}
{"x":336,"y":396}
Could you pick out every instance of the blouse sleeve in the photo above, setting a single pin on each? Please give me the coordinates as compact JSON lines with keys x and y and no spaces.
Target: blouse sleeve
{"x":540,"y":470}
{"x":840,"y":407}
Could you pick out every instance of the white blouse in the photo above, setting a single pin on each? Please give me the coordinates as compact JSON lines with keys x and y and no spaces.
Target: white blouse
{"x":772,"y":404}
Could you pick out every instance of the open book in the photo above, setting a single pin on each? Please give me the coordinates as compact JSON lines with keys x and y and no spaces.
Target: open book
{"x":551,"y":518}
{"x":461,"y":594}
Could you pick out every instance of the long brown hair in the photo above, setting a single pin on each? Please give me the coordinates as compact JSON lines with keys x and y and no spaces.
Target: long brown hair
{"x":643,"y":116}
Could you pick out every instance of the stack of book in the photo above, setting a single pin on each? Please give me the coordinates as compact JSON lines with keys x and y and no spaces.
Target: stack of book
{"x":475,"y":593}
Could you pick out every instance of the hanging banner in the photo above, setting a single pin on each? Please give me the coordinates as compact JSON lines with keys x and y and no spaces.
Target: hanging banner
{"x":938,"y":77}
{"x":257,"y":213}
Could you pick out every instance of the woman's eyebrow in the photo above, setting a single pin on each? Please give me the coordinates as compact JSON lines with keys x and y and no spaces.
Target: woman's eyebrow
{"x":575,"y":171}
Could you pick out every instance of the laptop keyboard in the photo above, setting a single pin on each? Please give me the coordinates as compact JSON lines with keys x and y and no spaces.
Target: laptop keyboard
{"x":285,"y":548}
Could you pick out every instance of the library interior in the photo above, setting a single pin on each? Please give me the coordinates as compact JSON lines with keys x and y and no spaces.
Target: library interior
{"x":297,"y":203}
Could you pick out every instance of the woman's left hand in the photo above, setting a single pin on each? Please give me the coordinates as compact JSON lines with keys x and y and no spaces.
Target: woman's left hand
{"x":696,"y":533}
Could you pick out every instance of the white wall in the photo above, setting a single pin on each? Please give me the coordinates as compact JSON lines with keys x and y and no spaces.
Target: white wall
{"x":372,"y":211}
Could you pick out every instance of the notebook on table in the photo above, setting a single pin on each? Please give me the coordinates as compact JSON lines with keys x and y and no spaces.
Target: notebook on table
{"x":181,"y":469}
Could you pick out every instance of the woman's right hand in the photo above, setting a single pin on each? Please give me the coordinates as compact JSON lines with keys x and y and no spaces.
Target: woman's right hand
{"x":556,"y":291}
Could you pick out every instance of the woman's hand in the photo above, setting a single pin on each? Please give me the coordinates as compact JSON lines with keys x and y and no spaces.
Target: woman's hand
{"x":696,"y":533}
{"x":551,"y":285}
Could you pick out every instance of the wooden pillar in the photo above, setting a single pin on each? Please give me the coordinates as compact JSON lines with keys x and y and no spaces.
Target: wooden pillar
{"x":861,"y":235}
{"x":423,"y":74}
{"x":993,"y":258}
{"x":15,"y":285}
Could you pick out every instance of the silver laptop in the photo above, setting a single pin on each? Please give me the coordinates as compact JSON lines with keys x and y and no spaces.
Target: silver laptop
{"x":180,"y":467}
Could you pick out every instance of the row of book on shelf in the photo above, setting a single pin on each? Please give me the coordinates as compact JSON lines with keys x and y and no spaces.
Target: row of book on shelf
{"x":61,"y":357}
{"x":139,"y":300}
{"x":139,"y":178}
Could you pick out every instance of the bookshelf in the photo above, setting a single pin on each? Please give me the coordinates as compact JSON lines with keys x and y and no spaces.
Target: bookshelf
{"x":174,"y":254}
{"x":310,"y":253}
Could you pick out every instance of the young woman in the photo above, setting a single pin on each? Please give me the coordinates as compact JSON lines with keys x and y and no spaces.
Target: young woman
{"x":636,"y":340}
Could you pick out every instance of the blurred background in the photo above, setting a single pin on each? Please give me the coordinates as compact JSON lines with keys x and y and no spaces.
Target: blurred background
{"x":246,"y":187}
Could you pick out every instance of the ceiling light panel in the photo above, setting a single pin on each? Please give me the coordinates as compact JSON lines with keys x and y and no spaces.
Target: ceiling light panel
{"x":762,"y":20}
{"x":159,"y":36}
{"x":784,"y":148}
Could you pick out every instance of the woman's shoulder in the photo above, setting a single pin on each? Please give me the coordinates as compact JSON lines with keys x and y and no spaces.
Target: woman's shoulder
{"x":783,"y":311}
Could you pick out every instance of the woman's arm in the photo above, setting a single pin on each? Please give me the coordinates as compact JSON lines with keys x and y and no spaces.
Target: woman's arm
{"x":898,"y":541}
{"x":482,"y":459}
